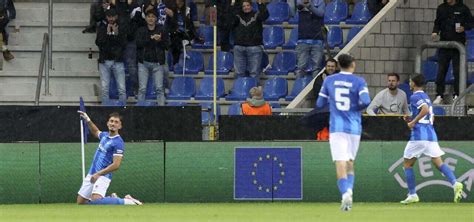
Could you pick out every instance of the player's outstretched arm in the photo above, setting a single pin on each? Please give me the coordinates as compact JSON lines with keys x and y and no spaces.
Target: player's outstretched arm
{"x":92,"y":127}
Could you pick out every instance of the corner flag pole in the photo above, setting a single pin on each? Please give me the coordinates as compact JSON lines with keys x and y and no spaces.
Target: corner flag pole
{"x":214,"y":24}
{"x":82,"y":150}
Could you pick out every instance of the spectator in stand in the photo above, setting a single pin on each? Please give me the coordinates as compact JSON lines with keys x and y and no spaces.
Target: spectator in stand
{"x":248,"y":29}
{"x":112,"y":40}
{"x":309,"y":48}
{"x":256,"y":106}
{"x":452,"y":19}
{"x":181,"y":28}
{"x":7,"y":13}
{"x":152,"y":42}
{"x":391,"y":100}
{"x":376,"y":5}
{"x":226,"y":11}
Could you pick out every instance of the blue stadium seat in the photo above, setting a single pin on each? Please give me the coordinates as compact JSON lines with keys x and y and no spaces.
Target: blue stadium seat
{"x":360,"y":13}
{"x":235,"y":109}
{"x":113,"y":102}
{"x":406,"y":88}
{"x":194,"y":63}
{"x":176,"y":104}
{"x":275,"y":88}
{"x":182,"y":88}
{"x":294,"y":20}
{"x":146,"y":103}
{"x":206,"y":32}
{"x":207,"y":116}
{"x":279,"y":12}
{"x":352,"y":33}
{"x":273,"y":36}
{"x":275,"y":105}
{"x":283,"y":63}
{"x":439,"y":111}
{"x":298,"y":85}
{"x":470,"y":79}
{"x":429,"y":70}
{"x":434,"y":57}
{"x":335,"y":37}
{"x":470,"y":50}
{"x":470,"y":34}
{"x":292,"y":40}
{"x":336,"y":12}
{"x":225,"y":63}
{"x":240,"y":89}
{"x":206,"y":89}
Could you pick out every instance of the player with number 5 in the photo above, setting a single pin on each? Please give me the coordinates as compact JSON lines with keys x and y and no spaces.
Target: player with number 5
{"x":347,"y":95}
{"x":423,"y":140}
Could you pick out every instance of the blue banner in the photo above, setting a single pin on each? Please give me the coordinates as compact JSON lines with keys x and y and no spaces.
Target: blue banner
{"x":263,"y":173}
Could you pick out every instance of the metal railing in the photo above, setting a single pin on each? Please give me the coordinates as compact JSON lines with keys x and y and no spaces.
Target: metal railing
{"x":44,"y":50}
{"x":462,"y":63}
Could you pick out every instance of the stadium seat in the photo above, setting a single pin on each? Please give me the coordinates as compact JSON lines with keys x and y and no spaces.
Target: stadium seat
{"x":283,"y":63}
{"x":298,"y":85}
{"x":336,"y":12}
{"x":360,"y":13}
{"x":439,"y":111}
{"x":145,"y":103}
{"x":273,"y":36}
{"x":182,"y":88}
{"x":194,"y":63}
{"x":176,"y":104}
{"x":430,"y":70}
{"x":352,"y":33}
{"x":235,"y":109}
{"x":240,"y":89}
{"x":206,"y":89}
{"x":275,"y":105}
{"x":335,"y":37}
{"x":470,"y":50}
{"x":469,"y":34}
{"x":279,"y":12}
{"x":275,"y":88}
{"x":207,"y":115}
{"x":292,"y":40}
{"x":225,"y":63}
{"x":206,"y":32}
{"x":434,"y":57}
{"x":406,"y":88}
{"x":294,"y":20}
{"x":113,"y":102}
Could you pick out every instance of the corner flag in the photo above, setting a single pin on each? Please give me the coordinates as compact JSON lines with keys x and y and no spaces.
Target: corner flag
{"x":82,"y":107}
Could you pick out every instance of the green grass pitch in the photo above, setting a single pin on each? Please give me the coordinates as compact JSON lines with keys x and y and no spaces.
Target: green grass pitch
{"x":245,"y":212}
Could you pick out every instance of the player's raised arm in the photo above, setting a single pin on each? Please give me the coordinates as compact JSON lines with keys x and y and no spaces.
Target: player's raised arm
{"x":92,"y":127}
{"x":323,"y":96}
{"x":364,"y":98}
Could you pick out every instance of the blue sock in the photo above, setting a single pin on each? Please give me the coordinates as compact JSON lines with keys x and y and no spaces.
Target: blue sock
{"x":107,"y":201}
{"x":350,"y":181}
{"x":342,"y":185}
{"x":410,"y":175}
{"x":448,"y":173}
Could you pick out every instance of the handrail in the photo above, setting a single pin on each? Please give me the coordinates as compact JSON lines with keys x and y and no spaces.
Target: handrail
{"x":44,"y":50}
{"x":462,"y":63}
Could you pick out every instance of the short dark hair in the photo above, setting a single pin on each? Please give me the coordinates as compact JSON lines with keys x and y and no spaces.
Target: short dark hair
{"x":116,"y":115}
{"x":418,"y":80}
{"x":394,"y":74}
{"x":345,"y":61}
{"x":332,"y":60}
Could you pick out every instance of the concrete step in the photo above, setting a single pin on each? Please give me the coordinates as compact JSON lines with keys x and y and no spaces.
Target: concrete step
{"x":21,"y":64}
{"x":58,"y":86}
{"x":62,"y":37}
{"x":37,"y":12}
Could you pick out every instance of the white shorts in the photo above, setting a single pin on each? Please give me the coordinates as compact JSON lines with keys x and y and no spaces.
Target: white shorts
{"x":99,"y":187}
{"x":415,"y":149}
{"x":344,"y":146}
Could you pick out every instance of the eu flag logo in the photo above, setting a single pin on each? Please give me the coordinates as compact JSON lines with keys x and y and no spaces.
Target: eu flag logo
{"x":268,"y":173}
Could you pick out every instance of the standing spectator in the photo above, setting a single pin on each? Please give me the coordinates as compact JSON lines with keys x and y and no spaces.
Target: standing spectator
{"x":309,"y":47}
{"x":248,"y":29}
{"x":181,"y":28}
{"x":391,"y":100}
{"x":256,"y":106}
{"x":226,"y":11}
{"x":376,"y":5}
{"x":7,"y":13}
{"x":152,"y":41}
{"x":111,"y":40}
{"x":452,"y":19}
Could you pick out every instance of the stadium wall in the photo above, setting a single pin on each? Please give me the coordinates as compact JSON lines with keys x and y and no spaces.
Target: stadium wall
{"x":204,"y":172}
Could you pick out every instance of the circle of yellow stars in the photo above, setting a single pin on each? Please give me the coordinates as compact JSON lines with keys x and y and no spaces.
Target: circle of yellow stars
{"x":254,"y":173}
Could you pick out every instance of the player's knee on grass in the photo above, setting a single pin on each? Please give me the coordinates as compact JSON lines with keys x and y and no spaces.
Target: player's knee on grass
{"x":81,"y":200}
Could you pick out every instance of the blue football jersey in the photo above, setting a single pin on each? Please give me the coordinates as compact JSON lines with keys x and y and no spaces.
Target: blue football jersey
{"x":108,"y":148}
{"x":347,"y":95}
{"x":423,"y":130}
